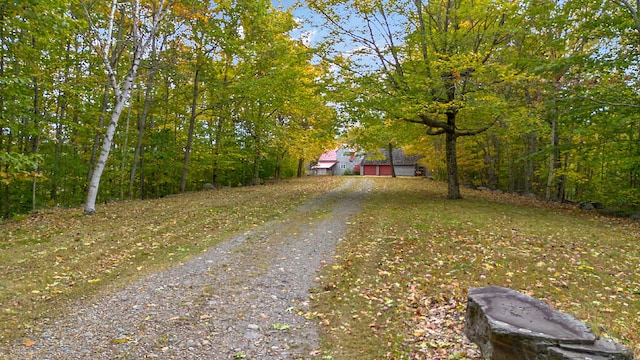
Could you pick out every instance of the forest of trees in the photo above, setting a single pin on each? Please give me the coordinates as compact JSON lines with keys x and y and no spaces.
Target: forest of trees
{"x":538,"y":97}
{"x":147,"y":98}
{"x":182,"y":93}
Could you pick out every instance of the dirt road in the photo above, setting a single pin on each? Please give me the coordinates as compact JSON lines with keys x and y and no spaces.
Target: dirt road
{"x":242,"y":299}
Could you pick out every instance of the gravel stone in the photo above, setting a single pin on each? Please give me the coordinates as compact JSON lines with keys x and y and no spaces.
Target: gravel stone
{"x":240,"y":297}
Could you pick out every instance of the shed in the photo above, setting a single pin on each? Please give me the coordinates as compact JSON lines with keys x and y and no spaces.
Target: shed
{"x":404,"y":165}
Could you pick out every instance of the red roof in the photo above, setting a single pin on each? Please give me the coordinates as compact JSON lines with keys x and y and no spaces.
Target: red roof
{"x":329,"y":156}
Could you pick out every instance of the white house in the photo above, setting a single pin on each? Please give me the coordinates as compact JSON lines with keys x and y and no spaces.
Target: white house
{"x":338,"y":162}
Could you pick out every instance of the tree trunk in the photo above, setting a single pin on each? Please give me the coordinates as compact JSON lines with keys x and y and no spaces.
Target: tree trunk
{"x":256,"y":161}
{"x":96,"y":139}
{"x":4,"y":194}
{"x":564,"y":164}
{"x":142,"y":121}
{"x":6,"y":210}
{"x":35,"y":146}
{"x":510,"y":170}
{"x":553,"y":160}
{"x":90,"y":206}
{"x":491,"y":160}
{"x":453,"y":180}
{"x":124,"y":152}
{"x":279,"y":159}
{"x":216,"y":150}
{"x":57,"y":157}
{"x":562,"y":184}
{"x":192,"y":121}
{"x":529,"y":164}
{"x":140,"y":49}
{"x":393,"y":168}
{"x":300,"y":167}
{"x":224,"y":113}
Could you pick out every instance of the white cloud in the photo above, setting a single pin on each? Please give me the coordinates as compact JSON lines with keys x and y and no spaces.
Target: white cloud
{"x":308,"y":37}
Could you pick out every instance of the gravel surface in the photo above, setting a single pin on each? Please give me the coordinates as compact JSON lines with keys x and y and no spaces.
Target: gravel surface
{"x":240,"y":299}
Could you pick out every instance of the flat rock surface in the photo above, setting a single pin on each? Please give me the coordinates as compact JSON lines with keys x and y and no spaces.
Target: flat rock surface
{"x":511,"y":311}
{"x":241,"y":299}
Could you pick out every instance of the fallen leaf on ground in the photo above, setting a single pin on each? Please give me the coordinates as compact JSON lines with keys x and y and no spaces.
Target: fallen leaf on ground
{"x":28,"y":343}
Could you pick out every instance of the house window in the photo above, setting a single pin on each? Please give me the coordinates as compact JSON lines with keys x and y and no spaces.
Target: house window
{"x":344,"y":166}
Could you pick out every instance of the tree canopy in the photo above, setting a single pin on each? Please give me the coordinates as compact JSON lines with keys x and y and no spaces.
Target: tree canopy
{"x":509,"y":95}
{"x":532,"y":96}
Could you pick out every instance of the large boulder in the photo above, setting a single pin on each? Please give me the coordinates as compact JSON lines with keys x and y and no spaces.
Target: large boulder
{"x":591,"y":205}
{"x":509,"y":325}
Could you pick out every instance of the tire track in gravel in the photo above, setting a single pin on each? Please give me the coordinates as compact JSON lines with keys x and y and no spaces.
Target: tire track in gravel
{"x":240,"y":299}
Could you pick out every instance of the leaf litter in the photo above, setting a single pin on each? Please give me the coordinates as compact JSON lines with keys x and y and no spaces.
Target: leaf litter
{"x":399,"y":278}
{"x":234,"y":299}
{"x":398,"y":287}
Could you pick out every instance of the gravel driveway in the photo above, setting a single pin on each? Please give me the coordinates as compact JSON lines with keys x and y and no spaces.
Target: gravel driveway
{"x":240,"y":299}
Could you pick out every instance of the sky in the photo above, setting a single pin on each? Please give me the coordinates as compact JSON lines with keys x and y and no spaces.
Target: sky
{"x":310,"y":33}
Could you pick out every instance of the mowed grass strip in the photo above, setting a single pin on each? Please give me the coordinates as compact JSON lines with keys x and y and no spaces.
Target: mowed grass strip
{"x":54,"y":257}
{"x":398,"y":286}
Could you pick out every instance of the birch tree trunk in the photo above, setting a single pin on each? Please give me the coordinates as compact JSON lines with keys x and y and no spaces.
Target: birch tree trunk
{"x":141,"y":44}
{"x":90,"y":206}
{"x":96,"y":140}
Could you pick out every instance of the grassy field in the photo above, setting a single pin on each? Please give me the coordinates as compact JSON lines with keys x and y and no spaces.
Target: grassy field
{"x":53,"y":257}
{"x":397,"y":288}
{"x":399,"y":285}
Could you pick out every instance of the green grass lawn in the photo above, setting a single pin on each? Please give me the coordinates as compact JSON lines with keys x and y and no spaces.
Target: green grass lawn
{"x":404,"y":271}
{"x":54,"y":257}
{"x":400,"y":275}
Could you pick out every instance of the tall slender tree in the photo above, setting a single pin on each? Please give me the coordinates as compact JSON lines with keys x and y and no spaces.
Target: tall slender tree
{"x":144,"y":24}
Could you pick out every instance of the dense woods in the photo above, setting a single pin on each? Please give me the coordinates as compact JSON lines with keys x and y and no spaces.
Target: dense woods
{"x":539,"y":97}
{"x":151,"y":97}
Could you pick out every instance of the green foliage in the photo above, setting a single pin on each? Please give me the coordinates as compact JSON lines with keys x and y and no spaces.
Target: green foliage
{"x":528,"y":71}
{"x":52,"y":89}
{"x":18,"y":167}
{"x":553,"y":87}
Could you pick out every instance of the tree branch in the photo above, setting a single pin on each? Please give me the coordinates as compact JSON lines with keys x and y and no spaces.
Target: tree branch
{"x":477,"y":131}
{"x":433,"y":132}
{"x":634,"y":12}
{"x":432,"y":124}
